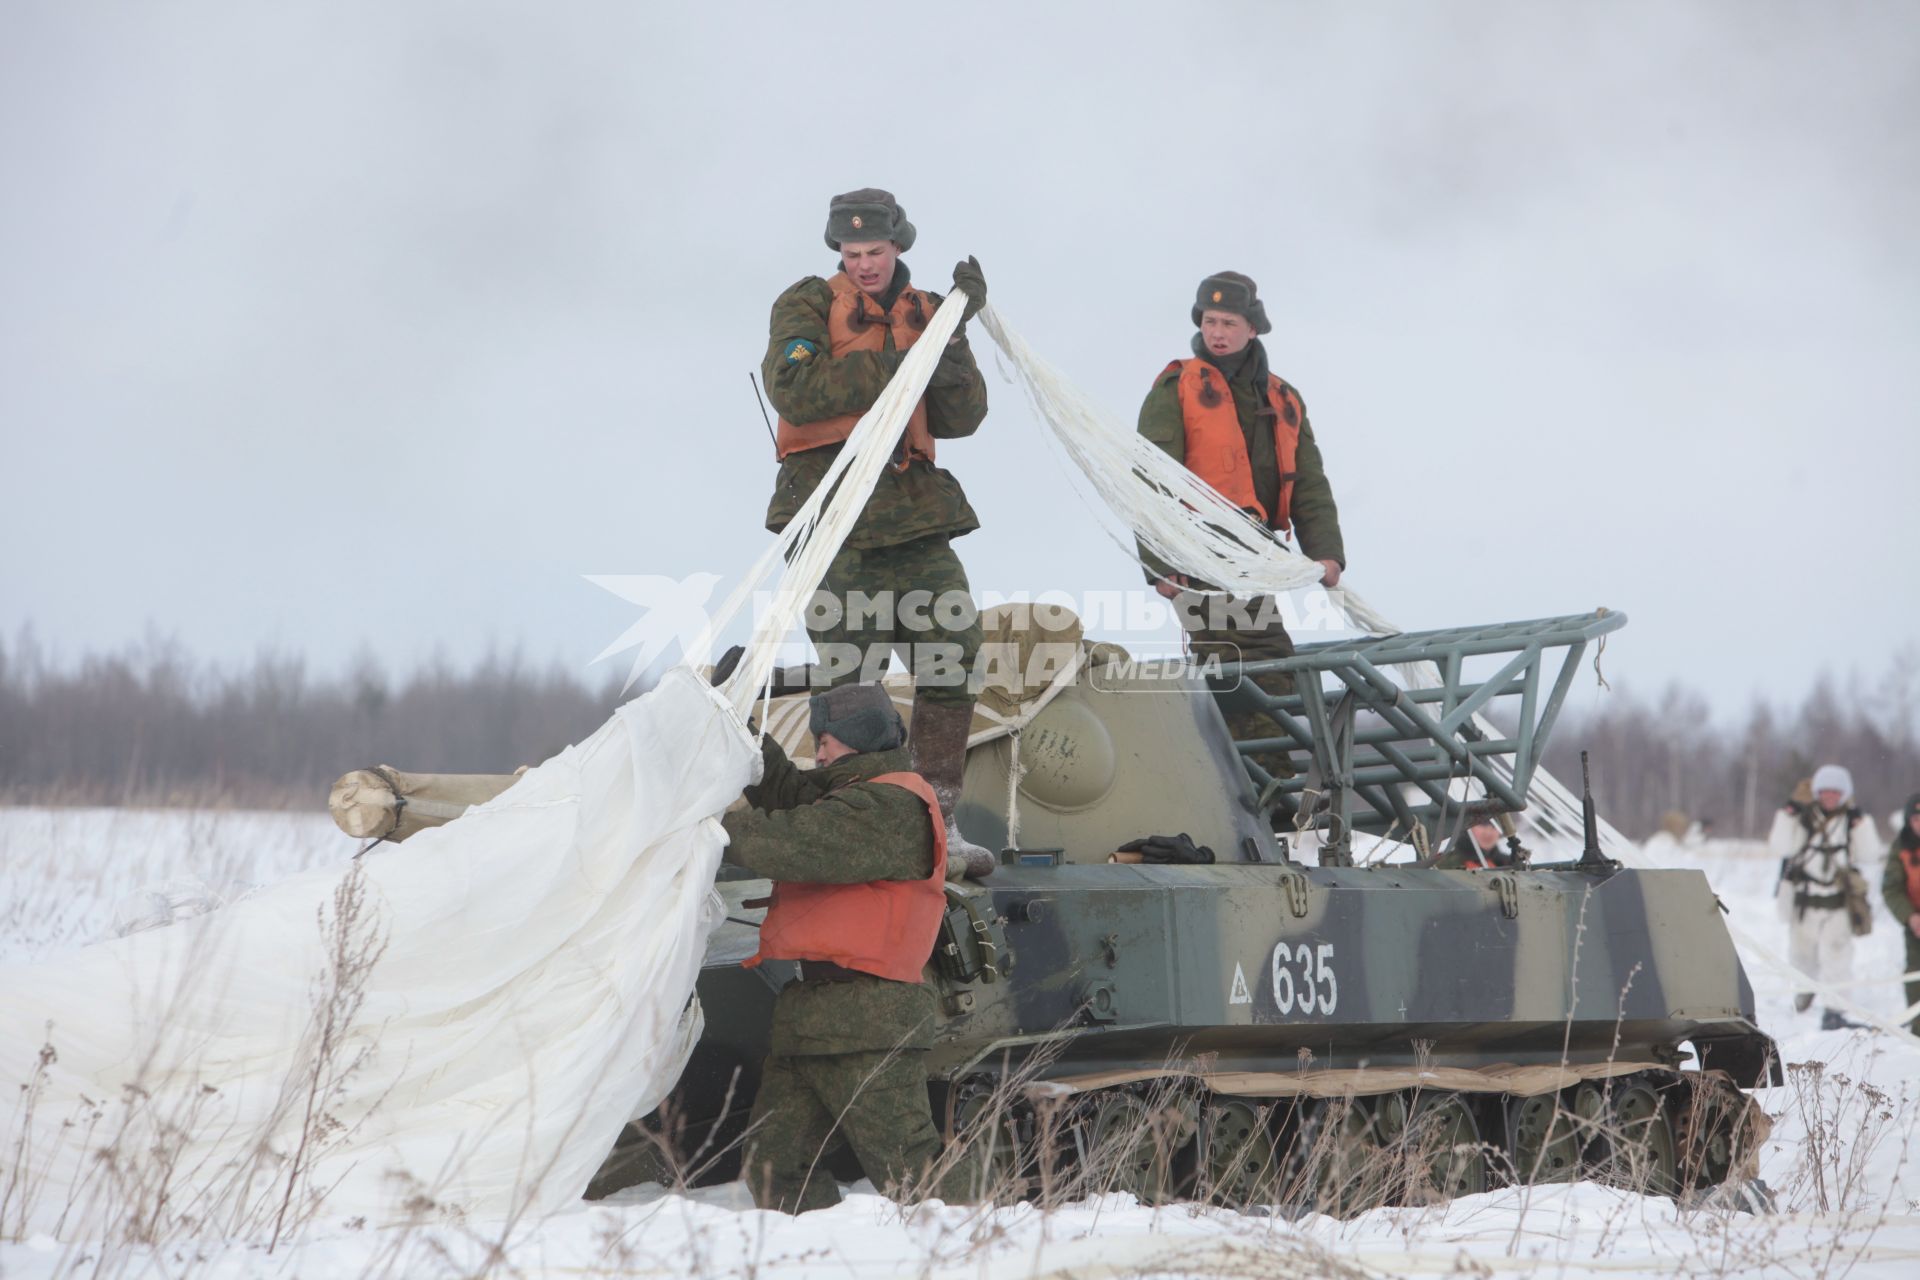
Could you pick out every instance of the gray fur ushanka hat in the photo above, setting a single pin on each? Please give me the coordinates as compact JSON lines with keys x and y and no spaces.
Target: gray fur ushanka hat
{"x":867,"y":214}
{"x":861,"y":715}
{"x":1231,"y":291}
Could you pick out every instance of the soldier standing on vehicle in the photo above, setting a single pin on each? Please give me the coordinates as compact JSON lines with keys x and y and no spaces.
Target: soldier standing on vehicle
{"x":1900,"y":887}
{"x":1230,"y":420}
{"x":857,"y":852}
{"x":832,"y":347}
{"x":1821,"y":846}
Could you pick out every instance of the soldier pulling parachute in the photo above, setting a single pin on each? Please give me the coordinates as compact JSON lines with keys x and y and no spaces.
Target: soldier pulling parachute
{"x":1254,"y":1027}
{"x":1223,"y":951}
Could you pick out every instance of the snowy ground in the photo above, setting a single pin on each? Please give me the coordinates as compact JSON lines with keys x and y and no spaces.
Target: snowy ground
{"x":1841,"y":1160}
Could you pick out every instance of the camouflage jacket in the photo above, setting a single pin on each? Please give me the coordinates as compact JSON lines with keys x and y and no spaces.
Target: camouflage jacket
{"x":1316,"y":520}
{"x":1893,"y":882}
{"x":922,"y":501}
{"x":833,"y":826}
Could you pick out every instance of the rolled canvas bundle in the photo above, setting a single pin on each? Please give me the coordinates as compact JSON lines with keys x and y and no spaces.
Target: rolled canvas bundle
{"x":382,"y":803}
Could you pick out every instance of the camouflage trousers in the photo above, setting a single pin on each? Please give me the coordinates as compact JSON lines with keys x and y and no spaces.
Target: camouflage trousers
{"x":913,"y":598}
{"x":873,"y":1101}
{"x":1244,"y":631}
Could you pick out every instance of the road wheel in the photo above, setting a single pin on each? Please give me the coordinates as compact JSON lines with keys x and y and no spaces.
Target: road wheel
{"x":1715,"y":1133}
{"x":1337,"y":1160}
{"x":1448,"y":1158}
{"x":1132,"y":1147}
{"x":1237,"y":1153}
{"x":982,"y":1117}
{"x":1541,"y":1139}
{"x":1637,"y":1150}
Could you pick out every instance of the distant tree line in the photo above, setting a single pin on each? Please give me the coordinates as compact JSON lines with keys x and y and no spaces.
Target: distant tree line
{"x":1669,"y":754}
{"x":148,"y":725}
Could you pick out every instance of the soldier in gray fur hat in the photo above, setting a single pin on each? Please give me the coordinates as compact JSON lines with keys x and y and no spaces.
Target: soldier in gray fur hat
{"x":1228,"y":418}
{"x":856,"y":851}
{"x":833,"y":345}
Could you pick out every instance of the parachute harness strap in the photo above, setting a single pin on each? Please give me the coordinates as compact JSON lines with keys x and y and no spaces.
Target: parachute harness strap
{"x":1014,"y":774}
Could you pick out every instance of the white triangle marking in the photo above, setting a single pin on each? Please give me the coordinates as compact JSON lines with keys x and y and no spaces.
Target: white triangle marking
{"x":1239,"y":994}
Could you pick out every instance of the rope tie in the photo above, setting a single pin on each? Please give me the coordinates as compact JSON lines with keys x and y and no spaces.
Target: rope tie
{"x":1014,"y":774}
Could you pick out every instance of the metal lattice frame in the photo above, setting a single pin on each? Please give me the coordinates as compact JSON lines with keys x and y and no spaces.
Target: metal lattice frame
{"x":1384,"y":758}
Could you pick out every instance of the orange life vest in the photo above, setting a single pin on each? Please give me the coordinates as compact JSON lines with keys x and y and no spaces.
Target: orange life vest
{"x":856,"y":323}
{"x":1217,"y":447}
{"x":1910,"y":863}
{"x":882,"y":927}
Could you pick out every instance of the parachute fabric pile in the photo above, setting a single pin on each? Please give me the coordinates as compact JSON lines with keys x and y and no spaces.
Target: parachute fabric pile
{"x":458,"y":1026}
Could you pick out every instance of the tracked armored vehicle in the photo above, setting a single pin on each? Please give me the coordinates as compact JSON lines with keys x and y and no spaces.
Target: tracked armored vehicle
{"x":1318,"y":1016}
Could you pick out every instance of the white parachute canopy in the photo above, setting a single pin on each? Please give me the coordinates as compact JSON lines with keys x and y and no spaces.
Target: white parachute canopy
{"x":459,"y":1025}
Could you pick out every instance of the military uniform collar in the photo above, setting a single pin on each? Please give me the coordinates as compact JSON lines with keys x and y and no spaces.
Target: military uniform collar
{"x":1249,"y":366}
{"x":891,"y":294}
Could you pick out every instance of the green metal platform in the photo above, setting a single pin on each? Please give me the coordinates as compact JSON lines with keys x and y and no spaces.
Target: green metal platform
{"x":1373,"y":756}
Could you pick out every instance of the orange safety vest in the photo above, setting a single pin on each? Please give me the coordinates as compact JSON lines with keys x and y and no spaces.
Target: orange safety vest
{"x":1910,"y":863}
{"x":856,"y":323}
{"x":1217,"y":447}
{"x":882,"y":927}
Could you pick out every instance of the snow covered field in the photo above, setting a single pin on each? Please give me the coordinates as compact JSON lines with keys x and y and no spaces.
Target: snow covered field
{"x":1840,"y":1161}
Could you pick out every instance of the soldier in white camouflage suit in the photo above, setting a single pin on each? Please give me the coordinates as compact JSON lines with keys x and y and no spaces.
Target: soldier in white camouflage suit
{"x":1819,"y":843}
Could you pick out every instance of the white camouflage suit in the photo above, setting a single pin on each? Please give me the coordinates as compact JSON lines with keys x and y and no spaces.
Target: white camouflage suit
{"x":1814,"y":847}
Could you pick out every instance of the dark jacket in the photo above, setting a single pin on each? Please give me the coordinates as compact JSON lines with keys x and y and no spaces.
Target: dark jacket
{"x":1893,"y":882}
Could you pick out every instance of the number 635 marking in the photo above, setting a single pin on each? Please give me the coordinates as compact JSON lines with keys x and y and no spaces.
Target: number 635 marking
{"x":1316,"y":990}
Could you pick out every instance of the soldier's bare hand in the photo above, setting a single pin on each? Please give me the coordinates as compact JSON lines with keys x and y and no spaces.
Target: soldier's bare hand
{"x":1331,"y":576}
{"x":1171,"y":585}
{"x":1913,"y":924}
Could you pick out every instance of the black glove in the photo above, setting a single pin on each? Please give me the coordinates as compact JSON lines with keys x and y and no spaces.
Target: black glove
{"x":724,"y":668}
{"x":967,"y":276}
{"x":1180,"y":850}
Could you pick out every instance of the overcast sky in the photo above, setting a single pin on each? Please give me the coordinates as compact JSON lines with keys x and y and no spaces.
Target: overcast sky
{"x":330,"y":325}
